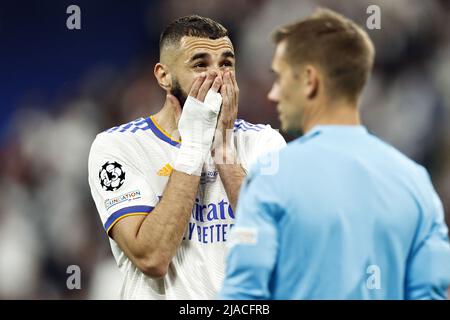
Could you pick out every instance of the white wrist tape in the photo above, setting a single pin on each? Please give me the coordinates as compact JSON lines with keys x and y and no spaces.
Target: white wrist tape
{"x":197,"y":127}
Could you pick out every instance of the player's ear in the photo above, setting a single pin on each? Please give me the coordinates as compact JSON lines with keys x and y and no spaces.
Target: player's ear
{"x":310,"y":81}
{"x":163,"y":76}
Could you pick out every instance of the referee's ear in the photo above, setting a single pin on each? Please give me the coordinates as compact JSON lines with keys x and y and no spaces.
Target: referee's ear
{"x":310,"y":79}
{"x":163,"y":77}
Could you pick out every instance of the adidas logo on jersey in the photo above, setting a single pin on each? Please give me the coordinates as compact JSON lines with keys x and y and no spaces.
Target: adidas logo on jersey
{"x":165,"y":171}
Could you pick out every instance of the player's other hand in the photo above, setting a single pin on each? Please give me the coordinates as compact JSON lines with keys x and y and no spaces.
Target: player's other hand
{"x":223,"y":139}
{"x":230,"y":98}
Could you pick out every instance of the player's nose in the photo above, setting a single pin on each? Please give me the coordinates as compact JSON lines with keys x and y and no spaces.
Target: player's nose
{"x":273,"y":94}
{"x":216,"y":70}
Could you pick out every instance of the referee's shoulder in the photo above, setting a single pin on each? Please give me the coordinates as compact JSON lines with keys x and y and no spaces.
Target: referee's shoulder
{"x":399,"y":158}
{"x":413,"y":174}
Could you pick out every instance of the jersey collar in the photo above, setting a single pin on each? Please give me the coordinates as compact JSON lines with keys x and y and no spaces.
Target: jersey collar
{"x":319,"y":129}
{"x":160,"y":133}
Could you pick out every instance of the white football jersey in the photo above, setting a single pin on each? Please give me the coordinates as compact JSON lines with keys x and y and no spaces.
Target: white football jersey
{"x":129,"y":167}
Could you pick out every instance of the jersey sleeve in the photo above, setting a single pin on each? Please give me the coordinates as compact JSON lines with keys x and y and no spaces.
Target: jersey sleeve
{"x":262,"y":149}
{"x":118,"y":186}
{"x":428,"y":265}
{"x":253,"y":247}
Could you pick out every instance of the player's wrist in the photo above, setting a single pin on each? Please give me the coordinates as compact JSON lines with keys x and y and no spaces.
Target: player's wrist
{"x":191,"y":157}
{"x":224,"y":156}
{"x":197,"y":126}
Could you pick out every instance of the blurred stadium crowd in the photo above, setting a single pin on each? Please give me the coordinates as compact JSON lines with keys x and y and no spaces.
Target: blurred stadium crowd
{"x":48,"y":220}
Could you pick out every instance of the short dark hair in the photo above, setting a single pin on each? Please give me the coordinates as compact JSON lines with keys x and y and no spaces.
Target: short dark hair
{"x":341,"y":48}
{"x":194,"y":26}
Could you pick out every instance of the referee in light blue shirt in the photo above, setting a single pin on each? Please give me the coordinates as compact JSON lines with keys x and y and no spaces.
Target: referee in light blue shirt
{"x":345,"y":216}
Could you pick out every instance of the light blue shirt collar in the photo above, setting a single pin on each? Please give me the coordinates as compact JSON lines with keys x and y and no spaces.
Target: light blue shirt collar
{"x":318,"y":129}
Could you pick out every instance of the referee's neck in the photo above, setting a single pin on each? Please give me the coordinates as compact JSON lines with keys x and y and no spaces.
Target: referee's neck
{"x":343,"y":113}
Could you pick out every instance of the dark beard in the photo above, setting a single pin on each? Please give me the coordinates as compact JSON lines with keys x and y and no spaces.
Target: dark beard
{"x":178,"y":92}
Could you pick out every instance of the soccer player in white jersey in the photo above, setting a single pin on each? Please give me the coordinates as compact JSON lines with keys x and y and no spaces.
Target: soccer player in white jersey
{"x":166,"y":205}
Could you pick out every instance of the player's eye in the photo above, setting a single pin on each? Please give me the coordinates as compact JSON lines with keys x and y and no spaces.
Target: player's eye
{"x":200,"y":65}
{"x":227,"y":64}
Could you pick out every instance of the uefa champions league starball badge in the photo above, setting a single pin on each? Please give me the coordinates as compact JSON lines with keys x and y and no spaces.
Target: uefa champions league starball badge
{"x":112,"y":176}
